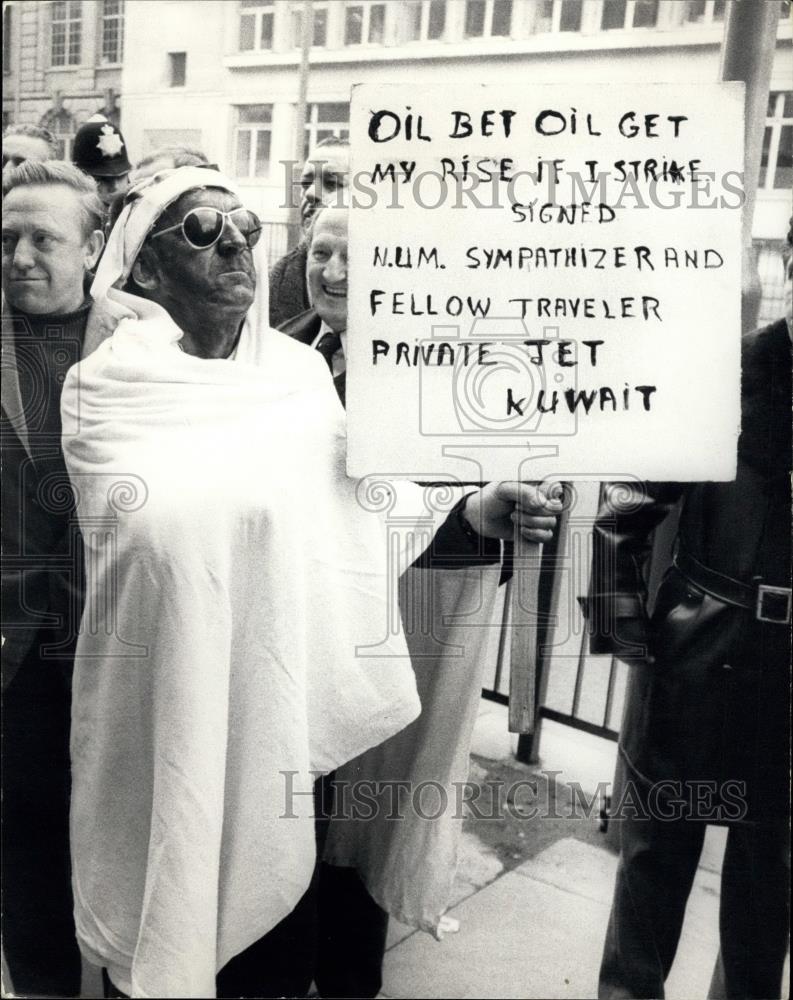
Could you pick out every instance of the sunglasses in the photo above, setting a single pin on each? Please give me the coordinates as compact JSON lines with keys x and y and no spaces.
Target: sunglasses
{"x":202,"y":227}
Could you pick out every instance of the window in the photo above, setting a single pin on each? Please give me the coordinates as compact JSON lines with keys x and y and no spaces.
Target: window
{"x":112,"y":31}
{"x":177,"y":67}
{"x":320,"y":25}
{"x":645,"y":13}
{"x":704,"y":11}
{"x":618,"y":14}
{"x":776,"y":159}
{"x":7,"y":16}
{"x":488,"y":18}
{"x":613,"y":15}
{"x":570,"y":15}
{"x":256,"y":24}
{"x":63,"y":145}
{"x":63,"y":127}
{"x":425,"y":20}
{"x":364,"y":23}
{"x":66,"y":36}
{"x":772,"y":280}
{"x":252,"y":140}
{"x":325,"y":120}
{"x":558,"y":15}
{"x":544,"y":17}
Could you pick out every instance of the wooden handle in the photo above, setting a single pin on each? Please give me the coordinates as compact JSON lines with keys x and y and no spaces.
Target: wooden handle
{"x":523,"y":654}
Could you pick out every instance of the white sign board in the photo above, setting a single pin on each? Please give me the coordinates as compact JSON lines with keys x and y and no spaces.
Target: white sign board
{"x":548,"y":274}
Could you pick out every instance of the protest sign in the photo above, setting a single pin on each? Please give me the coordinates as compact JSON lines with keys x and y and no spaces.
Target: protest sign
{"x":545,"y":274}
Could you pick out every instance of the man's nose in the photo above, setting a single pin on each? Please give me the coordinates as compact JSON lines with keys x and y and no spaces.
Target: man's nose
{"x":231,"y":239}
{"x":23,"y":258}
{"x":336,"y":270}
{"x":310,"y":194}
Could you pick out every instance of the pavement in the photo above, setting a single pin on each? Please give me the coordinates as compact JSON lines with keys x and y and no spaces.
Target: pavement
{"x":532,"y":898}
{"x":536,"y":928}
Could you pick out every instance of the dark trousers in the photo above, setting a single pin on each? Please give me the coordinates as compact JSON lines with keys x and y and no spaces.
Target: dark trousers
{"x":335,"y":936}
{"x":658,"y":862}
{"x":38,"y":923}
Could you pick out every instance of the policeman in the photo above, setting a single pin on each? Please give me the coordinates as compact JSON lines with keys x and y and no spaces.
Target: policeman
{"x":99,"y":150}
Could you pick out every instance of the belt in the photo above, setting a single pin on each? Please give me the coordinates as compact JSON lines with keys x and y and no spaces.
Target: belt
{"x":769,"y":604}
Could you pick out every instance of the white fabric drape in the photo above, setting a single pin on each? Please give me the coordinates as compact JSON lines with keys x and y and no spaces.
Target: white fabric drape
{"x":237,"y":584}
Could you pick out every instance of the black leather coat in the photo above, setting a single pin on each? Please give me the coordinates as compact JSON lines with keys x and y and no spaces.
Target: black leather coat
{"x":710,"y":703}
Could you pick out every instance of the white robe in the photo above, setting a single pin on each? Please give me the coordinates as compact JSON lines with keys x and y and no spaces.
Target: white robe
{"x":239,"y":626}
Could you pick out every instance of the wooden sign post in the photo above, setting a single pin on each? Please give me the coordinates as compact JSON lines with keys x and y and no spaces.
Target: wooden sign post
{"x":523,"y":652}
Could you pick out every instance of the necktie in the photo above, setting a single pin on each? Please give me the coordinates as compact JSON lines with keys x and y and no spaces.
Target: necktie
{"x":327,"y":347}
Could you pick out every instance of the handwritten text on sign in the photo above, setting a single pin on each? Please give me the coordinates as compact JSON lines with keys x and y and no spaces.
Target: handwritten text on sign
{"x":548,"y":273}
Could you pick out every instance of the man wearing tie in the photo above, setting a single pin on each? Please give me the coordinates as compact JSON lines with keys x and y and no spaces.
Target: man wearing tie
{"x":324,"y":325}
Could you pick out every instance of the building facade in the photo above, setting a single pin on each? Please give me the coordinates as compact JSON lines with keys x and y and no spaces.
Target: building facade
{"x":225,"y":72}
{"x":223,"y":75}
{"x":62,"y":63}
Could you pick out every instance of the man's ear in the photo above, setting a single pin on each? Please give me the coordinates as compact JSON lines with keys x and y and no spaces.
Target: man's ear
{"x":93,"y":248}
{"x":144,"y":271}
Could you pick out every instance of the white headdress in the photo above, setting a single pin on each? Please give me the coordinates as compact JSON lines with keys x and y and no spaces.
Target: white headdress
{"x":150,"y":197}
{"x":146,"y":202}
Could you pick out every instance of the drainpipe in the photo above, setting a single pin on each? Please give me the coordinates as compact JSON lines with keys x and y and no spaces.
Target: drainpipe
{"x":295,"y":229}
{"x":747,"y":54}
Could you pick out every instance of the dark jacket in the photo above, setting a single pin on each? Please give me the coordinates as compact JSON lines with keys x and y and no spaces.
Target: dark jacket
{"x":288,"y":290}
{"x":304,"y":328}
{"x":713,"y":702}
{"x":42,"y":585}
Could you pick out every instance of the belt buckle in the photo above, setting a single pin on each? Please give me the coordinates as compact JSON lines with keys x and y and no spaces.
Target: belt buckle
{"x":764,"y":614}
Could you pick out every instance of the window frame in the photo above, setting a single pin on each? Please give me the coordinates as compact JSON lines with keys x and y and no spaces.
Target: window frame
{"x":171,"y":66}
{"x":313,"y":125}
{"x":73,"y":25}
{"x":296,"y":19}
{"x":775,"y":122}
{"x":556,"y":21}
{"x":104,"y":23}
{"x":425,"y":7}
{"x":253,"y":129}
{"x":707,"y":16}
{"x":8,"y":29}
{"x":488,"y":25}
{"x":258,"y":13}
{"x":366,"y":22}
{"x":67,"y":139}
{"x":629,"y":20}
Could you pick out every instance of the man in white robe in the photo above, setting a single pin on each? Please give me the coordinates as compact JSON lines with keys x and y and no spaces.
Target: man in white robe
{"x":236,"y":579}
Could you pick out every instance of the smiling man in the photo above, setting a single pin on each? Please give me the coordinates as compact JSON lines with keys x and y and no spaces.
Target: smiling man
{"x":324,"y":325}
{"x":51,"y":218}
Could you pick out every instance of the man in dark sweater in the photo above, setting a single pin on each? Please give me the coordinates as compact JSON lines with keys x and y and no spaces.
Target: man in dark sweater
{"x":51,"y":239}
{"x":323,"y":181}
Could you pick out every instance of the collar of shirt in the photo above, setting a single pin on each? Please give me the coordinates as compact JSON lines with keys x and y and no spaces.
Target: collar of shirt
{"x":339,"y":359}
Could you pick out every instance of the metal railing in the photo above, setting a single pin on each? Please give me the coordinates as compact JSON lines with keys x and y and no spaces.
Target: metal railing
{"x":277,"y":238}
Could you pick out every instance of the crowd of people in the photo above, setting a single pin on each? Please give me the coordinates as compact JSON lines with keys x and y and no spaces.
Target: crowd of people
{"x":192,"y":587}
